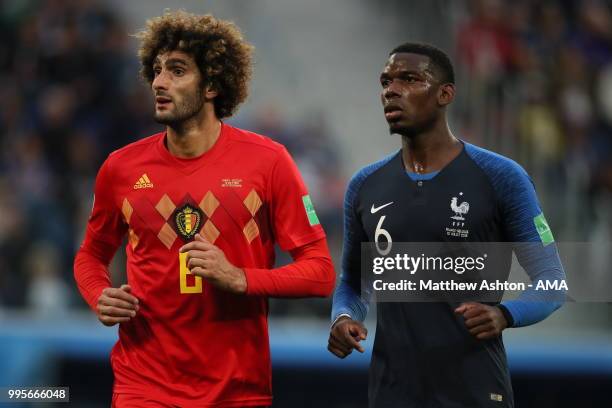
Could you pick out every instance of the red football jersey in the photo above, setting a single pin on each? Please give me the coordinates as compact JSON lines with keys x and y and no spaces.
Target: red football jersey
{"x":189,"y":340}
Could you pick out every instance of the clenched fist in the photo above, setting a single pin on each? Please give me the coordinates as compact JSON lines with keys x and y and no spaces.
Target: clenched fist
{"x":209,"y":262}
{"x":345,"y":336}
{"x":116,"y":305}
{"x":483,"y":321}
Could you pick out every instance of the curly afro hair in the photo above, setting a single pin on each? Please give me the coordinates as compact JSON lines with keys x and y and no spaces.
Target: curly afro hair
{"x":217,"y":46}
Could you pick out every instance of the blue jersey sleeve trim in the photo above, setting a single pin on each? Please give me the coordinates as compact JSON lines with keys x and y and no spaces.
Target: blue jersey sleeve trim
{"x":520,"y":210}
{"x":348,"y":298}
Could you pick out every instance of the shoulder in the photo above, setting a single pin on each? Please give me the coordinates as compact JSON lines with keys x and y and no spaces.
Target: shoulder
{"x":365,"y":172}
{"x":500,"y":169}
{"x":359,"y":178}
{"x":510,"y":182}
{"x":254,"y":142}
{"x":125,"y":156}
{"x":135,"y":149}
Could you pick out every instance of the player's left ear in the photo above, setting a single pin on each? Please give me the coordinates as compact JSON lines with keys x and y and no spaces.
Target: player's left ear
{"x":210,"y":92}
{"x":446,"y":94}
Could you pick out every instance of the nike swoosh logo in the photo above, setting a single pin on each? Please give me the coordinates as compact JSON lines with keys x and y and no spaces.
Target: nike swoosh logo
{"x":374,"y":210}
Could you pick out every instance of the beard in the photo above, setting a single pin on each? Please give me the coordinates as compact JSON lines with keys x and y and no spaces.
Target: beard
{"x":183,"y":111}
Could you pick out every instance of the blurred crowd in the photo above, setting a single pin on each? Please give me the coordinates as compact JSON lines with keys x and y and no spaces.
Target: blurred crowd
{"x":536,"y":84}
{"x":70,"y":93}
{"x":68,"y":96}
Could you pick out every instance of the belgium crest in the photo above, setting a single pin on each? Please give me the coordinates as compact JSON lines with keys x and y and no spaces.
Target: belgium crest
{"x":188,"y":221}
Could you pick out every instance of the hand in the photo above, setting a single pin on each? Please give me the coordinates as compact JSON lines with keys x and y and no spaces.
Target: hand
{"x":116,"y":305}
{"x":483,"y":321}
{"x":345,"y":336}
{"x":209,"y":262}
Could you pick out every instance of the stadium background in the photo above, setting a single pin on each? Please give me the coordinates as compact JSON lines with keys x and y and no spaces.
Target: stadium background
{"x":534,"y":83}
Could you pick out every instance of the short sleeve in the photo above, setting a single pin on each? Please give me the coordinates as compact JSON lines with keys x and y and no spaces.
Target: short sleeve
{"x":294,"y":219}
{"x":106,"y":222}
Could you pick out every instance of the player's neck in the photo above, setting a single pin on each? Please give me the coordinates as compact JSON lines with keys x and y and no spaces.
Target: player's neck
{"x":431,"y":150}
{"x":195,"y":136}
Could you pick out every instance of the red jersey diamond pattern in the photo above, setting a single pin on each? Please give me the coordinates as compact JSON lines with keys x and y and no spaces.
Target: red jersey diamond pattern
{"x":166,"y":207}
{"x":253,"y":203}
{"x":127,"y":211}
{"x":209,"y":204}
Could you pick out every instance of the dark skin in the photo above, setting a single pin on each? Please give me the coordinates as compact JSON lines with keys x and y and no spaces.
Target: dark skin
{"x":414,"y":101}
{"x":345,"y":336}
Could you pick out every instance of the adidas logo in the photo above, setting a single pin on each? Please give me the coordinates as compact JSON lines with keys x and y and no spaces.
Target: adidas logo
{"x":143,"y":182}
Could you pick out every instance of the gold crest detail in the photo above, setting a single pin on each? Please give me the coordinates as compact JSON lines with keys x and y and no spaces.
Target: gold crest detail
{"x":188,"y":221}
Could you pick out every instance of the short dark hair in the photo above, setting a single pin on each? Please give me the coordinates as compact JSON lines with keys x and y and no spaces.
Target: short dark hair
{"x":438,"y":58}
{"x":217,"y":46}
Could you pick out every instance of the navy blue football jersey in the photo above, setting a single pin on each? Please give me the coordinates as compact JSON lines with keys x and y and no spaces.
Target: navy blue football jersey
{"x":423,"y":355}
